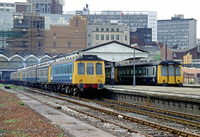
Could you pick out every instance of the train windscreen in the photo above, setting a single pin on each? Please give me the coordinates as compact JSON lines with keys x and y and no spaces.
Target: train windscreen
{"x":81,"y":68}
{"x":90,"y":68}
{"x":99,"y":68}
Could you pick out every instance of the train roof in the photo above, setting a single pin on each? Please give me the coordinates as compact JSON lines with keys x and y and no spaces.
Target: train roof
{"x":78,"y":58}
{"x":153,"y":63}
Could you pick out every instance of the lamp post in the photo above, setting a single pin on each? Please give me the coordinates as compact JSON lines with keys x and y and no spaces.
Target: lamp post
{"x":134,"y":45}
{"x":134,"y":67}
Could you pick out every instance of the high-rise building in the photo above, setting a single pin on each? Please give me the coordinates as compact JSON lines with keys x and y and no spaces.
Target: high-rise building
{"x":134,"y":19}
{"x":47,"y":6}
{"x":177,"y":31}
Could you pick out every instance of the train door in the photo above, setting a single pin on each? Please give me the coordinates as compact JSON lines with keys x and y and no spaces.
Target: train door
{"x":171,"y":76}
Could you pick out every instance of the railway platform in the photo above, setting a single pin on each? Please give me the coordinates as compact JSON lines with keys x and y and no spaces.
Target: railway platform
{"x":184,"y":99}
{"x":188,"y":91}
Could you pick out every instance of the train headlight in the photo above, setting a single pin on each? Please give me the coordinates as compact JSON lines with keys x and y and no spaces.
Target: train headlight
{"x":100,"y":86}
{"x":81,"y":86}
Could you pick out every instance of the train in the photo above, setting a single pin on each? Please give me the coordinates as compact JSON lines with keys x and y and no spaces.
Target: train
{"x":162,"y":72}
{"x":71,"y":75}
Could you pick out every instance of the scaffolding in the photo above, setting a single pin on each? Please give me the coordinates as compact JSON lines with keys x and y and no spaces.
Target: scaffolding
{"x":30,"y":29}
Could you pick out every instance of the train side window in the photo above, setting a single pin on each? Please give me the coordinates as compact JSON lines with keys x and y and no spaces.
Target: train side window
{"x":81,"y":68}
{"x":171,"y":70}
{"x":67,"y":69}
{"x":139,"y":71}
{"x":70,"y":69}
{"x":98,"y":68}
{"x":163,"y":71}
{"x":90,"y":68}
{"x":144,"y":71}
{"x":147,"y":71}
{"x":178,"y":71}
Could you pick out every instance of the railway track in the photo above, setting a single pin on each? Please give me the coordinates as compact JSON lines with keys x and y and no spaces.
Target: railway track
{"x":145,"y":123}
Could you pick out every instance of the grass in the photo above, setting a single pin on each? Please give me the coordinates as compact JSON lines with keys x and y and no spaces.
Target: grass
{"x":60,"y":135}
{"x":11,"y":121}
{"x":21,"y":103}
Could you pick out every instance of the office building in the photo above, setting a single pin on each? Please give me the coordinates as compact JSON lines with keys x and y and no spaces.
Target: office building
{"x":178,"y":32}
{"x":134,"y":19}
{"x":47,"y":6}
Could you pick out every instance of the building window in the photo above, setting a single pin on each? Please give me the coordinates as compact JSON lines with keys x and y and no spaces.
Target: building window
{"x":112,"y":29}
{"x":107,"y":29}
{"x":97,"y":36}
{"x":88,"y":35}
{"x":102,"y":29}
{"x":125,"y":37}
{"x":107,"y":36}
{"x":112,"y":37}
{"x":117,"y":37}
{"x":88,"y":44}
{"x":54,"y":34}
{"x":102,"y":36}
{"x":77,"y":22}
{"x":54,"y":44}
{"x":117,"y":29}
{"x":69,"y":44}
{"x":97,"y":29}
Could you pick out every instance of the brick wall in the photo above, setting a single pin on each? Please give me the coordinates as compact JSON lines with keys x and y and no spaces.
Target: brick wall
{"x":66,"y":38}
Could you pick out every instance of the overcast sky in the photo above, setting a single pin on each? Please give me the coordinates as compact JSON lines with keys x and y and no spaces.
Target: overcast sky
{"x":165,"y":8}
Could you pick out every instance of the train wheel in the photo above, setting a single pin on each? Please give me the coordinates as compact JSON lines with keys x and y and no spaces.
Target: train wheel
{"x":164,"y":84}
{"x":180,"y":84}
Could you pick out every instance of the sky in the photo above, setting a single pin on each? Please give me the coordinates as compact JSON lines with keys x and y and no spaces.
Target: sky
{"x":165,"y":8}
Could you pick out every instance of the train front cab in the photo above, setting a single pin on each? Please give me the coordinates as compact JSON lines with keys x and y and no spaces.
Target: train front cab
{"x":170,"y":74}
{"x":89,"y":74}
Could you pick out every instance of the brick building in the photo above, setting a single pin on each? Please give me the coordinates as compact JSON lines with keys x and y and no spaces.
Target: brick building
{"x":64,"y":39}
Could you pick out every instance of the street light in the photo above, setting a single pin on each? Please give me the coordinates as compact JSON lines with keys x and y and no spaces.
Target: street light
{"x":134,"y":45}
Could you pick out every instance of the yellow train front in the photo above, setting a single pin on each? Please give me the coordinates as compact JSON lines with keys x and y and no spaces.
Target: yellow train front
{"x":89,"y":72}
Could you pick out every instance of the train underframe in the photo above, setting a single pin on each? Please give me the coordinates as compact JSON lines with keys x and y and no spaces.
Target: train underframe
{"x":70,"y":89}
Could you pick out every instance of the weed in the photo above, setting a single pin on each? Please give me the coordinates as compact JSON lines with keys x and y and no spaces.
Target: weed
{"x":21,"y":103}
{"x":60,"y":135}
{"x":11,"y":99}
{"x":11,"y":121}
{"x":2,"y":105}
{"x":20,"y":88}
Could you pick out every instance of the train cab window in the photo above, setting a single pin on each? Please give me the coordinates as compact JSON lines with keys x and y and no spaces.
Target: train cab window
{"x":81,"y":68}
{"x":90,"y":68}
{"x":178,"y":71}
{"x":98,"y":68}
{"x":171,"y":70}
{"x":163,"y":71}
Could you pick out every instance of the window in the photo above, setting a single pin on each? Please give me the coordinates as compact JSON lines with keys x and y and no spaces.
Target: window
{"x":70,"y":69}
{"x":126,"y":37}
{"x":112,"y":37}
{"x":107,"y":36}
{"x":54,"y":44}
{"x":81,"y":68}
{"x":102,"y":36}
{"x":99,"y":68}
{"x":171,"y":70}
{"x":67,"y":68}
{"x":77,"y":22}
{"x":178,"y":71}
{"x":97,"y":36}
{"x":69,"y":44}
{"x":117,"y":37}
{"x":164,"y":71}
{"x":112,"y":29}
{"x":117,"y":29}
{"x":90,"y":68}
{"x":102,"y":29}
{"x":107,"y":29}
{"x":97,"y":29}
